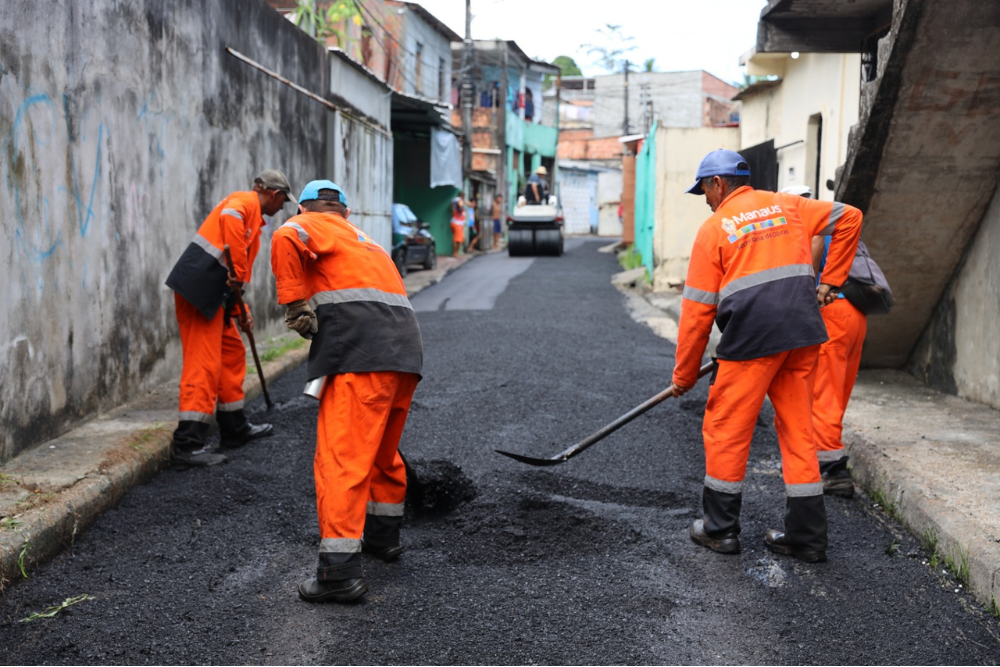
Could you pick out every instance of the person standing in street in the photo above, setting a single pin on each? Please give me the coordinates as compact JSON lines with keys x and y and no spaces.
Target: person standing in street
{"x":497,"y":215}
{"x":751,"y":272}
{"x":836,"y":372}
{"x":342,"y":290}
{"x":457,"y":224}
{"x":474,"y":229}
{"x":204,"y":295}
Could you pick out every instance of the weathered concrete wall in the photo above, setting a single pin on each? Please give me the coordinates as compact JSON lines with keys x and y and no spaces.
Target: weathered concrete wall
{"x":678,"y":214}
{"x":960,"y":351}
{"x":925,"y":158}
{"x":121,"y":126}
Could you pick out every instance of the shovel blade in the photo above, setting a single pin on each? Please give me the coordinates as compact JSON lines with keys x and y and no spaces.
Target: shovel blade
{"x":531,"y":461}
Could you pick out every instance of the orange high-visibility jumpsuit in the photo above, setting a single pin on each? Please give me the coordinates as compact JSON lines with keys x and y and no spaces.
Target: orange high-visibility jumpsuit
{"x":369,"y":348}
{"x":214,"y":355}
{"x":751,"y":271}
{"x":839,"y":360}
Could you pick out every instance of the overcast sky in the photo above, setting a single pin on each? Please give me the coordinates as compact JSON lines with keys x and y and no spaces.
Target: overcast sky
{"x":681,"y":35}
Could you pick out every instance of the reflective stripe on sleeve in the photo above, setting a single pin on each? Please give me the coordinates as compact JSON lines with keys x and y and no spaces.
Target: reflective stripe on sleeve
{"x":233,"y":212}
{"x":766,"y":276}
{"x":830,"y":455}
{"x":725,"y":487}
{"x":229,"y":407}
{"x":303,"y":235}
{"x":804,"y":490}
{"x":339,"y":545}
{"x":205,"y":245}
{"x":361,"y":294}
{"x":194,"y":417}
{"x":385,"y":509}
{"x":835,"y":214}
{"x":701,"y":296}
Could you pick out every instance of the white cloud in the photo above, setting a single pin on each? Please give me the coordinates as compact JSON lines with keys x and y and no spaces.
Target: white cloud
{"x":681,"y":35}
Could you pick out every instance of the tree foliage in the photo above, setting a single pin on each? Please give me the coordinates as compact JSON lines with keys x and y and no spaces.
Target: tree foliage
{"x":611,"y":48}
{"x":331,"y":21}
{"x":649,"y":65}
{"x":567,"y":65}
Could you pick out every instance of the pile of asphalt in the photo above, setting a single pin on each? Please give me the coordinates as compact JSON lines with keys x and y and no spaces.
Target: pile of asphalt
{"x":587,"y":562}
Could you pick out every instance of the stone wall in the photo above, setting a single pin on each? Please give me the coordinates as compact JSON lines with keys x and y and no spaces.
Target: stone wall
{"x":121,"y":126}
{"x":959,"y":351}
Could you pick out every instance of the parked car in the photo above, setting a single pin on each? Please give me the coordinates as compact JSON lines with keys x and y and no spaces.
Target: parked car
{"x":411,"y":242}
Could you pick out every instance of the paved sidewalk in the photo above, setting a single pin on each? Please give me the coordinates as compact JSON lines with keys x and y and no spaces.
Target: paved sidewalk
{"x":931,"y":460}
{"x":52,"y":492}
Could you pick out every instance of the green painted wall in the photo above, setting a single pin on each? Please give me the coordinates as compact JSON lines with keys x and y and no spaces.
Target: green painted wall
{"x":412,"y":186}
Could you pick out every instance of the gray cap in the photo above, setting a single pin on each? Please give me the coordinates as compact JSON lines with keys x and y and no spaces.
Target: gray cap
{"x":273,"y":179}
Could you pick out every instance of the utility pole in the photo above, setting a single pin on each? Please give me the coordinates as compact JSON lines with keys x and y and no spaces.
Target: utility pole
{"x":502,"y":168}
{"x":466,"y":99}
{"x":625,"y":129}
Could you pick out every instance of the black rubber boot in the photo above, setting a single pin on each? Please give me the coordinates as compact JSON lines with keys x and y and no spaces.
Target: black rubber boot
{"x":805,"y":534}
{"x":189,"y":448}
{"x":719,"y":530}
{"x":338,"y":579}
{"x":724,"y":544}
{"x":382,"y":537}
{"x":235,"y":430}
{"x":837,"y":478}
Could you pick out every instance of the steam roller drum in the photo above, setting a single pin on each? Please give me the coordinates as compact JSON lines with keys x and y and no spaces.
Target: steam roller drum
{"x":520,"y":242}
{"x":549,"y":242}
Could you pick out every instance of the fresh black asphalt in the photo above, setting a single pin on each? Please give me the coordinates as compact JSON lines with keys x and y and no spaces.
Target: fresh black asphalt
{"x":588,"y":562}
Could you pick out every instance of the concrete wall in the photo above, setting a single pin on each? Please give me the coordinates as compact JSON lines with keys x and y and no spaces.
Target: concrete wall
{"x":436,"y":47}
{"x":960,"y":350}
{"x":609,"y":196}
{"x":677,"y":100}
{"x":814,"y":84}
{"x":121,"y":126}
{"x":359,"y":155}
{"x":678,"y":215}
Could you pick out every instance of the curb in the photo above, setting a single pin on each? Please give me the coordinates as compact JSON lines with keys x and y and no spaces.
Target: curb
{"x":50,"y":528}
{"x":940,"y":529}
{"x":888,"y":474}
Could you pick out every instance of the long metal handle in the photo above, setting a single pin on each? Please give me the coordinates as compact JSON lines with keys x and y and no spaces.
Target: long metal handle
{"x":626,"y":418}
{"x":253,"y":345}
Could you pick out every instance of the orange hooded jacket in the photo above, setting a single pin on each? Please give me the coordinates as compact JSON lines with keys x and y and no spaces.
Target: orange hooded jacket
{"x":366,"y":323}
{"x":751,"y":271}
{"x":201,"y":273}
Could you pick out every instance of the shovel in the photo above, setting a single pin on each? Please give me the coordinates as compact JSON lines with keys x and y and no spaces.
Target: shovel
{"x":253,"y":346}
{"x":605,"y":431}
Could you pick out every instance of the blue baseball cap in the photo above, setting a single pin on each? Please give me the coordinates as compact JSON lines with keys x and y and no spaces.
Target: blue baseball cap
{"x":719,"y":162}
{"x":311,"y":191}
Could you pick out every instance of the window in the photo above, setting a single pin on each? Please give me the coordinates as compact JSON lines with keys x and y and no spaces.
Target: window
{"x":441,"y":81}
{"x":418,"y":83}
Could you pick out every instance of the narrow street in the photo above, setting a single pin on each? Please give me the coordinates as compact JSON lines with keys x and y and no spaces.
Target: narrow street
{"x":587,"y":563}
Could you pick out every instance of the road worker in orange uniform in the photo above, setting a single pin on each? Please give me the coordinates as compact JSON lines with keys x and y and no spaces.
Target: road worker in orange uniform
{"x":839,"y":360}
{"x":342,"y":290}
{"x":214,"y":356}
{"x":751,"y":272}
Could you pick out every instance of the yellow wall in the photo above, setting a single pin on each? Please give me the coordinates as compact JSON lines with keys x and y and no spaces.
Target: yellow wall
{"x":678,"y":214}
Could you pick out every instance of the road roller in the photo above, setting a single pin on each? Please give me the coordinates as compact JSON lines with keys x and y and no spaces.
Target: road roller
{"x":535,"y":229}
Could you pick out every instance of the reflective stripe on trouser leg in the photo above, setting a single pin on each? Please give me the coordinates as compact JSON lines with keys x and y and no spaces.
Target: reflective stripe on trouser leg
{"x":839,"y":359}
{"x":233,"y":369}
{"x":734,"y":402}
{"x":353,"y":431}
{"x":201,"y":342}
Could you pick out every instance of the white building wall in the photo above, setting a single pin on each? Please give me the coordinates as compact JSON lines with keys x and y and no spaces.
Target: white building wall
{"x":577,"y":190}
{"x":824,"y":84}
{"x":436,"y":47}
{"x":678,"y":214}
{"x":609,"y":196}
